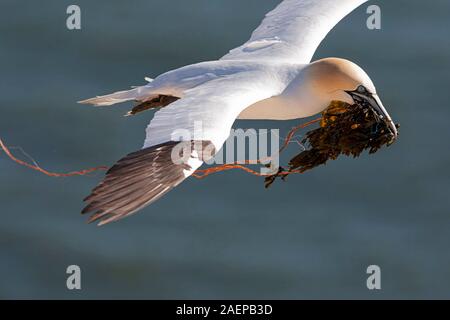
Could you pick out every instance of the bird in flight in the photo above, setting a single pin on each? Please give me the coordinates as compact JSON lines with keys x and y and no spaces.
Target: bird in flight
{"x":271,"y":77}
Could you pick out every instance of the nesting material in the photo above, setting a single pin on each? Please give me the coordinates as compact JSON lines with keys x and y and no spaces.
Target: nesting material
{"x":344,"y":129}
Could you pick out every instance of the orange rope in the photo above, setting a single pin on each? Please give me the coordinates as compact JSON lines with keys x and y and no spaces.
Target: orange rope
{"x":226,"y":167}
{"x":203,"y":173}
{"x":200,"y":174}
{"x":51,"y":174}
{"x":294,"y":130}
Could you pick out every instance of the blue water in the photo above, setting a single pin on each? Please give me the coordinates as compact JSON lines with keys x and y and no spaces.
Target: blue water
{"x":224,"y":237}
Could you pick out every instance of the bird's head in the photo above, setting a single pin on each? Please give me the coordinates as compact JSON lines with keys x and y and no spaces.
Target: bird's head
{"x":334,"y":79}
{"x":353,"y":117}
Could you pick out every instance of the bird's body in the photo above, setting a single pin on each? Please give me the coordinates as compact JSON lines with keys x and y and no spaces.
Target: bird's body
{"x":268,"y":77}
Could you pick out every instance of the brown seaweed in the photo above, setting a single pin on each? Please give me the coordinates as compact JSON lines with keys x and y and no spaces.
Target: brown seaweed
{"x":344,"y":129}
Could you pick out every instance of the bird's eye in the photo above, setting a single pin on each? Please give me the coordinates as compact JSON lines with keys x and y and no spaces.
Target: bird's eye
{"x":361,"y":89}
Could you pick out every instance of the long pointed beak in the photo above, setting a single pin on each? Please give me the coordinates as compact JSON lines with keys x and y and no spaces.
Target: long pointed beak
{"x":361,"y":96}
{"x":377,"y":105}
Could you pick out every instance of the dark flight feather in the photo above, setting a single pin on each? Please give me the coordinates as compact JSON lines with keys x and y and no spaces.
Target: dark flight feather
{"x":158,"y":102}
{"x":134,"y":182}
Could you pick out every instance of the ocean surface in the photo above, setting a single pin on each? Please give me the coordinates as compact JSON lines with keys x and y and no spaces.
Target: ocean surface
{"x":312,"y":236}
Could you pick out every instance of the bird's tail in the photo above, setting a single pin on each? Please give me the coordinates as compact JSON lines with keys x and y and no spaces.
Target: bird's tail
{"x":118,"y":97}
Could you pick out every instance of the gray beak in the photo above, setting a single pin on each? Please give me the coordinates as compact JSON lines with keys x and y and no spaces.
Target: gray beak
{"x":377,"y":105}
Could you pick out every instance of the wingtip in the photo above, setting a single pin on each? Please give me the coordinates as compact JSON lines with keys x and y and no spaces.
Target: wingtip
{"x":101,"y":101}
{"x":102,"y":223}
{"x":87,"y":101}
{"x":103,"y":220}
{"x":95,"y":217}
{"x":86,"y":209}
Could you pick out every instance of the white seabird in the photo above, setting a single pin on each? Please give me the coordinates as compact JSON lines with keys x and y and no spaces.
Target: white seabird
{"x":268,"y":77}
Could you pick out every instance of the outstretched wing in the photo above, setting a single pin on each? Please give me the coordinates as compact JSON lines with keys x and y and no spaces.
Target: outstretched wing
{"x":203,"y":117}
{"x":207,"y":112}
{"x":294,"y":30}
{"x":142,"y":177}
{"x":135,"y":181}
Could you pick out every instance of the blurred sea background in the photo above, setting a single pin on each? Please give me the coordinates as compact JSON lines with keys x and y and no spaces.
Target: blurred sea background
{"x":226,"y":236}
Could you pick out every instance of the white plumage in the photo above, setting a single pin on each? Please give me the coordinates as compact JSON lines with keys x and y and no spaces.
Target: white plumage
{"x":293,"y":30}
{"x":216,"y":92}
{"x":268,"y":77}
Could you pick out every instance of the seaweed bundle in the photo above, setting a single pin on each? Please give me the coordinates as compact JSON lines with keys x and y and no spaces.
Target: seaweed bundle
{"x":344,"y":129}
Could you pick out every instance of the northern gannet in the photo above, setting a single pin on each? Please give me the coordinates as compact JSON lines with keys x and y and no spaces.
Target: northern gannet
{"x":271,"y":76}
